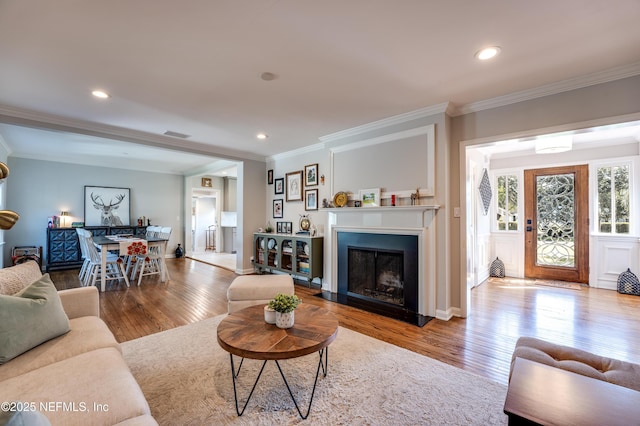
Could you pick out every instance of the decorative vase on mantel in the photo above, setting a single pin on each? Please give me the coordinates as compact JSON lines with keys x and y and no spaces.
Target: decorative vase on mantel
{"x":285,"y":319}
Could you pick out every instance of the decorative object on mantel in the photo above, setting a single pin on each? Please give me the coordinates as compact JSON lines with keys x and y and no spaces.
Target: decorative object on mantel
{"x":415,"y":197}
{"x":497,"y":268}
{"x":370,"y":197}
{"x":340,"y":199}
{"x":628,"y":283}
{"x":485,"y":191}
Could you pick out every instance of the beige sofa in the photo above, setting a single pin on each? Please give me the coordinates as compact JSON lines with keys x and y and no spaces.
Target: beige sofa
{"x":610,"y":370}
{"x":78,"y":378}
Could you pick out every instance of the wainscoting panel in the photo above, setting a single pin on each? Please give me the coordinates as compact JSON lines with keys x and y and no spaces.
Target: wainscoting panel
{"x":613,"y":255}
{"x":509,"y":247}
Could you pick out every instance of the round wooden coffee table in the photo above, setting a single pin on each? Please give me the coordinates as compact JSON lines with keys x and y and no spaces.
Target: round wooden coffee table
{"x":247,"y":335}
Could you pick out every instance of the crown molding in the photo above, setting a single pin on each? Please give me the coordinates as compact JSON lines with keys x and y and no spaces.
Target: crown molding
{"x":605,"y":76}
{"x":295,"y":152}
{"x":35,"y":119}
{"x":446,"y":107}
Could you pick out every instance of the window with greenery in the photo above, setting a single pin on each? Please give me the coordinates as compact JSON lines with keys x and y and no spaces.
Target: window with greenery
{"x":507,"y":203}
{"x":613,"y":199}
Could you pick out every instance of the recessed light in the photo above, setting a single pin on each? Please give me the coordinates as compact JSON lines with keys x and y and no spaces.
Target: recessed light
{"x":100,"y":94}
{"x":268,"y":76}
{"x":487,"y":53}
{"x":262,"y":136}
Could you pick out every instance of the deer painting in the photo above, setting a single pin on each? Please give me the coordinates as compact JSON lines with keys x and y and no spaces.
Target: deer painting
{"x":108,"y":215}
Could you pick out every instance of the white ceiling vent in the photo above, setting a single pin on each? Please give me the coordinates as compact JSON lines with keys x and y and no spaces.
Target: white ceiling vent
{"x":176,"y":134}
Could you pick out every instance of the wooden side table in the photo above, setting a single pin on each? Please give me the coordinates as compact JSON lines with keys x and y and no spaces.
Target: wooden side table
{"x":245,"y":334}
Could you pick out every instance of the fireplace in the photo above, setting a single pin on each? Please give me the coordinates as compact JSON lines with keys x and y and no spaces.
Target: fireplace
{"x":378,"y":272}
{"x":393,"y":227}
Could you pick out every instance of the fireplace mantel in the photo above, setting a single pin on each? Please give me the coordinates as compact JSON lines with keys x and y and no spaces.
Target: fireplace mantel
{"x":365,"y":210}
{"x":417,"y":220}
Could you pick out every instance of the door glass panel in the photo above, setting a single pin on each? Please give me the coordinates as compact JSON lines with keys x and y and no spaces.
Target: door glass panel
{"x":556,"y":220}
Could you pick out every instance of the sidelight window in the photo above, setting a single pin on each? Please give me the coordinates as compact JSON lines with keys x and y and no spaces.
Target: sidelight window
{"x":613,"y":199}
{"x":507,"y":202}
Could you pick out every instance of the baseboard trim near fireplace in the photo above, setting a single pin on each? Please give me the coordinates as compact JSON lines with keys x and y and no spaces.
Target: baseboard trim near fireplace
{"x":386,"y":310}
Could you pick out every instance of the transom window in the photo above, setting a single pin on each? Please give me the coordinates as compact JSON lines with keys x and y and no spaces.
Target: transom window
{"x":507,"y":202}
{"x":613,"y":199}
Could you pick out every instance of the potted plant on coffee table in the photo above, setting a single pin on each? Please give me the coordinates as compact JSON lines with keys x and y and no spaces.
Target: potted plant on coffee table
{"x":284,"y":305}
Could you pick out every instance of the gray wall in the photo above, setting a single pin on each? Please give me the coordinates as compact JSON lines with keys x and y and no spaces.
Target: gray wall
{"x":39,"y":189}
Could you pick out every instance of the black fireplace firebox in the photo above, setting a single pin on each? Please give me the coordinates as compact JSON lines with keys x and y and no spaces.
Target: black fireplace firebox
{"x":379,"y":273}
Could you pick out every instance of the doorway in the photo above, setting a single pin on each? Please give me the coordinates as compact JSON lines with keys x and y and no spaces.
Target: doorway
{"x":557,"y":223}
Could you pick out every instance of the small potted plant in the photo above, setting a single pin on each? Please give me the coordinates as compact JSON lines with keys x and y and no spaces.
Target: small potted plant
{"x":284,"y":305}
{"x":269,"y":228}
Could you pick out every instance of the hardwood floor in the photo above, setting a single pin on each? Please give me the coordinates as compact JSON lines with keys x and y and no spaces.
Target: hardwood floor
{"x":600,"y":321}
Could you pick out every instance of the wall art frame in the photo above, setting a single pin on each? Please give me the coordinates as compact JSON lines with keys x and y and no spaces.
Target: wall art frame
{"x":278,"y":212}
{"x":278,"y":188}
{"x":311,"y":175}
{"x":107,"y":206}
{"x":311,"y":199}
{"x":294,"y":186}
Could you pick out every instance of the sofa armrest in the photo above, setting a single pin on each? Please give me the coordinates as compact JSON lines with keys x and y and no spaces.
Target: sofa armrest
{"x":80,"y":302}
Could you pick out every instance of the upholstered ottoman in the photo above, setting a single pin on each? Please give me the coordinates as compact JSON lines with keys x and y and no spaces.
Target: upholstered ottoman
{"x":249,"y":290}
{"x":610,"y":370}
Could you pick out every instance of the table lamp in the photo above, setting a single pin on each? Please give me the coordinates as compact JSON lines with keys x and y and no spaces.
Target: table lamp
{"x":64,"y":218}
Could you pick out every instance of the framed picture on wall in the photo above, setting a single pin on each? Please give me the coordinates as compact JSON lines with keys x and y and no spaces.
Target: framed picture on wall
{"x":279,"y":186}
{"x":277,"y":209}
{"x":311,"y":175}
{"x":106,"y":206}
{"x":294,"y":186}
{"x":311,"y":199}
{"x":270,"y":177}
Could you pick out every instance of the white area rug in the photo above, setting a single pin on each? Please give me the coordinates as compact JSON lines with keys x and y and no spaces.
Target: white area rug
{"x":186,"y":378}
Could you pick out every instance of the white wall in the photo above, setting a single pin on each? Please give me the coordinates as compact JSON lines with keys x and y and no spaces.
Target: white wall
{"x":39,"y":189}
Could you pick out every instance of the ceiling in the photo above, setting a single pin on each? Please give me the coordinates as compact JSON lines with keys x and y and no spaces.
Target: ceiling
{"x":195,"y":68}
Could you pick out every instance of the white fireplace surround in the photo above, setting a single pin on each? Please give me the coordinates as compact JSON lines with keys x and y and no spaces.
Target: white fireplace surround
{"x":401,"y":220}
